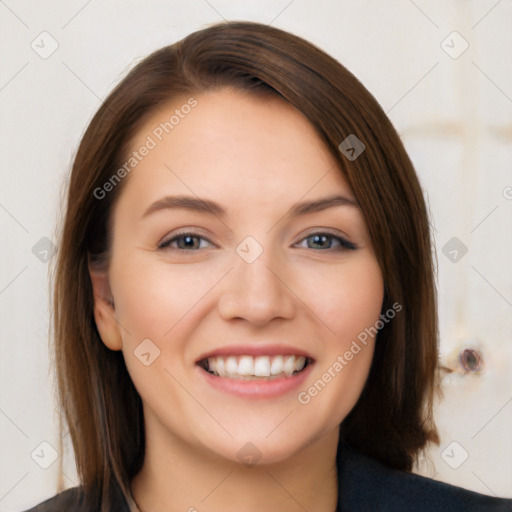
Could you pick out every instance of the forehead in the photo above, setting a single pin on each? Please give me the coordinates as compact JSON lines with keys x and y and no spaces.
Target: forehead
{"x":233,"y":143}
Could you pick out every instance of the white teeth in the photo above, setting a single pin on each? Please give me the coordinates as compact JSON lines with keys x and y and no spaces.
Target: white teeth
{"x":253,"y":367}
{"x":262,"y":366}
{"x":277,"y":365}
{"x":299,"y":363}
{"x":231,"y":365}
{"x":289,"y":365}
{"x":220,"y":366}
{"x":245,"y":366}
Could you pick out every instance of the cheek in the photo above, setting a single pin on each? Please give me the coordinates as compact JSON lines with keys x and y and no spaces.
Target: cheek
{"x":361,"y":300}
{"x":161,"y":303}
{"x":350,"y":307}
{"x":347,"y":299}
{"x":152,"y":297}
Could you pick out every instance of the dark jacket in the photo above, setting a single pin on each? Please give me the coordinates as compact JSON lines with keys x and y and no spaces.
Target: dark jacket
{"x":365,"y":485}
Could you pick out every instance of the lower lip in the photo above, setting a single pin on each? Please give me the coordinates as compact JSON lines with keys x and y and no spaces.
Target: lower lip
{"x":260,"y":388}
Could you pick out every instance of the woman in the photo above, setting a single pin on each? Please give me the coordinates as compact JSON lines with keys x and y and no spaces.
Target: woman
{"x":244,"y":306}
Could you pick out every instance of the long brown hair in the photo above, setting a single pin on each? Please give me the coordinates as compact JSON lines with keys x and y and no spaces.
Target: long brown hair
{"x":392,"y":421}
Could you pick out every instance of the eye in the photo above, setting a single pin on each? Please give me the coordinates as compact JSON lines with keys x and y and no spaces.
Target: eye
{"x":324,"y":240}
{"x":185,"y":241}
{"x":190,"y":241}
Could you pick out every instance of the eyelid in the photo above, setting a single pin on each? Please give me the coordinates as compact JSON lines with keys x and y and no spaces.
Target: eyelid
{"x":165,"y":241}
{"x":345,"y":243}
{"x":325,"y":231}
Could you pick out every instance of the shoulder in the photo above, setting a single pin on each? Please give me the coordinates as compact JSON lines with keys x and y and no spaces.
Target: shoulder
{"x":69,"y":500}
{"x":366,"y":484}
{"x":76,"y":500}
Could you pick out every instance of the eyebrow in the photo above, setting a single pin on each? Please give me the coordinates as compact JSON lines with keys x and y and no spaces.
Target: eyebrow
{"x":199,"y":205}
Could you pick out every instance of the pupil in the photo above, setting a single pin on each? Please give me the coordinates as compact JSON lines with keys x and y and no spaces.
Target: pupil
{"x":188,"y":240}
{"x":317,"y":239}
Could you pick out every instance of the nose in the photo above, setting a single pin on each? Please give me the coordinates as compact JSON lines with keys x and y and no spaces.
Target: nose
{"x":257,"y":292}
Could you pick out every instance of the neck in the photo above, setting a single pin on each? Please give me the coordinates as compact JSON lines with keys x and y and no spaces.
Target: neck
{"x":178,"y":477}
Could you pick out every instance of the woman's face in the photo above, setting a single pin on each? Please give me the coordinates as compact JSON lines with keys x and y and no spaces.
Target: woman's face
{"x":218,"y":308}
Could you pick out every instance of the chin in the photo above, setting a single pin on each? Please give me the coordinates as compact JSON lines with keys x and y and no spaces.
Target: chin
{"x":256,"y":450}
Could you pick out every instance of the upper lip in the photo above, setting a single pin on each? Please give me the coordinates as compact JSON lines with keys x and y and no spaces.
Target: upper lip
{"x":255,"y":350}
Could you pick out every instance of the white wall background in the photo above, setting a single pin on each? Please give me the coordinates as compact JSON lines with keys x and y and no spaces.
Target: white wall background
{"x":453,"y":111}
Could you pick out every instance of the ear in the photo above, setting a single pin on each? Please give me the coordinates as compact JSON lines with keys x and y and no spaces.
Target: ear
{"x":104,"y":309}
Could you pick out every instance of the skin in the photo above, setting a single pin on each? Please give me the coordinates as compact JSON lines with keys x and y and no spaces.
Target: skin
{"x":256,"y":157}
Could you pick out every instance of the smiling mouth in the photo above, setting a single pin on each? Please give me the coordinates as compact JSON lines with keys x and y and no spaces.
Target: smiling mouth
{"x":251,"y":368}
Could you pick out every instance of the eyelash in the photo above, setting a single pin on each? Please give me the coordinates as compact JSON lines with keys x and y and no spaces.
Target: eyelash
{"x":344,"y":244}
